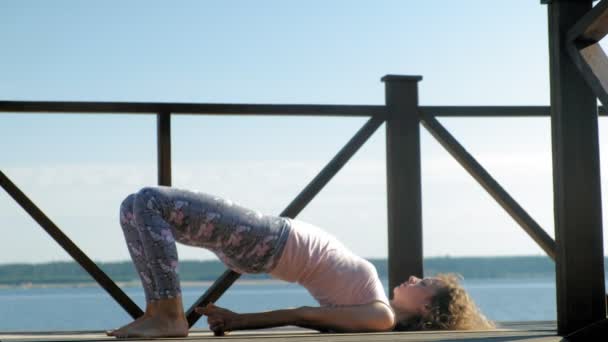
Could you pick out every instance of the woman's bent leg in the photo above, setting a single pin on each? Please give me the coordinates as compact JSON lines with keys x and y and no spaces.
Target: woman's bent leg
{"x":244,"y":239}
{"x":158,"y":243}
{"x":153,"y":250}
{"x":138,"y":256}
{"x":136,"y":248}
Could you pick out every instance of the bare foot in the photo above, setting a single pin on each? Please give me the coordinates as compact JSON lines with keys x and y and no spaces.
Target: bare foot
{"x":122,"y":329}
{"x":156,"y":326}
{"x":151,"y":310}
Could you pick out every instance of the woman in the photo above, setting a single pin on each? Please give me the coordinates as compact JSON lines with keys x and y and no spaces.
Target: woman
{"x":347,"y":287}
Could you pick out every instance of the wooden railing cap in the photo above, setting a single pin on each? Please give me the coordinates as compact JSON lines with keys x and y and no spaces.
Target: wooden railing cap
{"x":401,"y":78}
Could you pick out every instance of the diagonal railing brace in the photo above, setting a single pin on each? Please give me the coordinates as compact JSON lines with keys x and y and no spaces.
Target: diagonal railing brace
{"x":70,"y":247}
{"x":218,"y":288}
{"x":466,"y":160}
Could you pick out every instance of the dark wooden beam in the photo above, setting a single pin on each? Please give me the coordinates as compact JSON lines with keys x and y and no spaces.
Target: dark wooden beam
{"x":190,"y":108}
{"x":576,"y":179}
{"x":113,"y":108}
{"x":487,"y":111}
{"x":492,"y":111}
{"x":403,"y":179}
{"x":502,"y":197}
{"x":70,"y":247}
{"x":592,"y":62}
{"x":586,"y":52}
{"x":592,"y":26}
{"x":163,"y":136}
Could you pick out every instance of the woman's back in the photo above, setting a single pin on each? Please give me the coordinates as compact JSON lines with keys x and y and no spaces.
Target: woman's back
{"x":332,"y":274}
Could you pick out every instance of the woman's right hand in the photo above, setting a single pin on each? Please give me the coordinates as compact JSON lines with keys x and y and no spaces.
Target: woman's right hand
{"x":220,"y":320}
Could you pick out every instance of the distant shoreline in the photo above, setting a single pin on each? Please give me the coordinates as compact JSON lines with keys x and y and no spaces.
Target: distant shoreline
{"x":134,"y":283}
{"x":203,"y":283}
{"x":67,"y":274}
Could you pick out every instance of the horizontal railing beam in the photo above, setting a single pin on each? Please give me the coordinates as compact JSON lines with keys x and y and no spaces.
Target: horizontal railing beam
{"x":487,"y":111}
{"x":492,"y":111}
{"x":264,"y":109}
{"x":191,"y":108}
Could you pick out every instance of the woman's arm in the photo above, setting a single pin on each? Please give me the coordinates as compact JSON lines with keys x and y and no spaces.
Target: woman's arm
{"x":360,"y":318}
{"x":374,"y":316}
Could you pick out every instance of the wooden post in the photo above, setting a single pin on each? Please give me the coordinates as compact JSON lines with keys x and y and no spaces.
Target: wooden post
{"x":163,"y":132}
{"x":576,"y":180}
{"x":403,"y":179}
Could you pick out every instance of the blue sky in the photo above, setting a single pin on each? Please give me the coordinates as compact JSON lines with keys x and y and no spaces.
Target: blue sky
{"x":79,"y":167}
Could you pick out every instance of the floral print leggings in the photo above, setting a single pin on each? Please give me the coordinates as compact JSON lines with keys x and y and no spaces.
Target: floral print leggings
{"x":155,"y":217}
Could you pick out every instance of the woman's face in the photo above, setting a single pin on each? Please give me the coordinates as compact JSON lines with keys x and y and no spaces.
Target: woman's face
{"x":414,"y":295}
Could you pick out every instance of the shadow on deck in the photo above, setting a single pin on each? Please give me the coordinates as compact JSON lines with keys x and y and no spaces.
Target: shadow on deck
{"x":508,"y":331}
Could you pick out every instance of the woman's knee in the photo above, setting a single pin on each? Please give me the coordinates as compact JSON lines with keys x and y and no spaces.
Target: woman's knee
{"x":127,"y":204}
{"x":148,"y":199}
{"x":148,"y":191}
{"x":144,"y":195}
{"x":126,"y":211}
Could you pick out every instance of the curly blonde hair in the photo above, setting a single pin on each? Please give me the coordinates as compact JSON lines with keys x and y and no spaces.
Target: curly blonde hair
{"x":451,"y":309}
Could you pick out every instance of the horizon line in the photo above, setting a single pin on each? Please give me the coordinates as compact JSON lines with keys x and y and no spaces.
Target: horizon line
{"x":367,"y":258}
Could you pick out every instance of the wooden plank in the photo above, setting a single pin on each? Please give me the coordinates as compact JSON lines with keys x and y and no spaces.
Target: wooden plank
{"x":290,"y":334}
{"x":487,"y":111}
{"x":598,"y":62}
{"x":110,"y":108}
{"x":576,"y":179}
{"x":301,"y":338}
{"x":403,"y":179}
{"x":190,"y":108}
{"x":492,"y":111}
{"x":593,"y":65}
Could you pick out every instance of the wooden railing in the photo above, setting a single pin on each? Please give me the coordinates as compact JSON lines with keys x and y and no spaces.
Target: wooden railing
{"x":402,"y":116}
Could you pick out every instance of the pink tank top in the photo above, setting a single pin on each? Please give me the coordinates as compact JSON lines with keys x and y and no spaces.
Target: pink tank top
{"x":332,"y":274}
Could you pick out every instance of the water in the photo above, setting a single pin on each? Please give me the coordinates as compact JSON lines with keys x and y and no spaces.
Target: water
{"x":90,"y":308}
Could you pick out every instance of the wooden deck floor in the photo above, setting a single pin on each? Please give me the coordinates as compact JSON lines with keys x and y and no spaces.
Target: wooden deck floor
{"x":515,"y":331}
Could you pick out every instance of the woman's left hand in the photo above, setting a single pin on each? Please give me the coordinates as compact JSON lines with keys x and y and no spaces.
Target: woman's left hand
{"x":220,"y":320}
